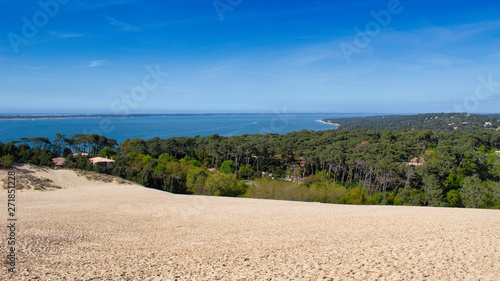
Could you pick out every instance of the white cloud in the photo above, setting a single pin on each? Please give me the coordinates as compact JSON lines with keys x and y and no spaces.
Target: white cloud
{"x":443,"y":60}
{"x":474,"y":28}
{"x":66,"y":35}
{"x":123,"y":25}
{"x":312,"y":53}
{"x":95,"y":63}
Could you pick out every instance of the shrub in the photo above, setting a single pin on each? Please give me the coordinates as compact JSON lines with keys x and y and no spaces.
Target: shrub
{"x":377,"y":198}
{"x":207,"y":162}
{"x":357,"y":197}
{"x":220,"y":184}
{"x":245,"y":172}
{"x":408,"y":196}
{"x":454,"y":198}
{"x":195,"y":181}
{"x":7,"y":160}
{"x":337,"y":193}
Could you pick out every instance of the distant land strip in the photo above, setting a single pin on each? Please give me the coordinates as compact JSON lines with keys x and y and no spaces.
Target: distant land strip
{"x":429,"y":121}
{"x":65,"y":116}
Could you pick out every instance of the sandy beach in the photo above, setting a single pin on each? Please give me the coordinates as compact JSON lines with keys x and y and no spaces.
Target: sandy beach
{"x":329,"y":123}
{"x":93,"y":230}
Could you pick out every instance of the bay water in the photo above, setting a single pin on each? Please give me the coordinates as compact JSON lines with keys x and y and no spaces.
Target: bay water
{"x":122,"y":128}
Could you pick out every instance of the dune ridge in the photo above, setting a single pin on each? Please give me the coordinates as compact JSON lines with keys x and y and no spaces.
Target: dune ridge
{"x":93,"y":230}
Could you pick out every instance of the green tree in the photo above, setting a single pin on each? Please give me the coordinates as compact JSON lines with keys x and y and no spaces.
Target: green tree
{"x":245,"y":171}
{"x":433,"y":194}
{"x":227,"y":167}
{"x":473,"y":192}
{"x":108,"y":152}
{"x":165,"y":157}
{"x":191,"y":161}
{"x":59,"y":143}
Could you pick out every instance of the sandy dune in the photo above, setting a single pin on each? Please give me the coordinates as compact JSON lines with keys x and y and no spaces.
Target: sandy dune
{"x":91,"y":230}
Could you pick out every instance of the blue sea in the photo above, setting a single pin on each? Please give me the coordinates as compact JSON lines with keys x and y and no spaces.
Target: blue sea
{"x":122,"y":128}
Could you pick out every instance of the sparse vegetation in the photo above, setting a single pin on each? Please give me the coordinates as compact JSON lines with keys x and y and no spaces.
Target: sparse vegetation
{"x":29,"y":181}
{"x":101,"y":177}
{"x":7,"y":160}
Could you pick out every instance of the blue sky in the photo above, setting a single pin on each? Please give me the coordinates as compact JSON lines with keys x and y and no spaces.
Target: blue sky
{"x":80,"y":56}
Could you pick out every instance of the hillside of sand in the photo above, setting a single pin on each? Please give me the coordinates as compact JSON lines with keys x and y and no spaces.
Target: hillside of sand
{"x":88,"y":229}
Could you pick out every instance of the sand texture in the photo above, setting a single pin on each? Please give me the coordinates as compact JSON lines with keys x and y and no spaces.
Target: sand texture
{"x":93,"y":230}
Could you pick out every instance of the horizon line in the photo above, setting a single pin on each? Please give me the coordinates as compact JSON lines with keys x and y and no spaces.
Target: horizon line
{"x":229,"y":113}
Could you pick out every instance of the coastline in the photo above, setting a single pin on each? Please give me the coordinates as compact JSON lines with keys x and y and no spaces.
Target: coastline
{"x":49,"y":118}
{"x":329,"y":123}
{"x":69,"y":116}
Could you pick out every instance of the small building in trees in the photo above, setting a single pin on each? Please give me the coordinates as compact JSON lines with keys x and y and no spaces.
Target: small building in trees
{"x":417,"y":161}
{"x":58,"y":162}
{"x":101,"y":162}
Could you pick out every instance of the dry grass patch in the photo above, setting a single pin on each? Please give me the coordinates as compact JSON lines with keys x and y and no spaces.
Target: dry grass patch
{"x":101,"y":177}
{"x":29,"y":181}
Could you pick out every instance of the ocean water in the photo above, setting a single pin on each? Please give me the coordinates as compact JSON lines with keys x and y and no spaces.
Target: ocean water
{"x":166,"y":126}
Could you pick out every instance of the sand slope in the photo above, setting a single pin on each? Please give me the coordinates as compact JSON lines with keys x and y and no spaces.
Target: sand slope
{"x":107,"y":231}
